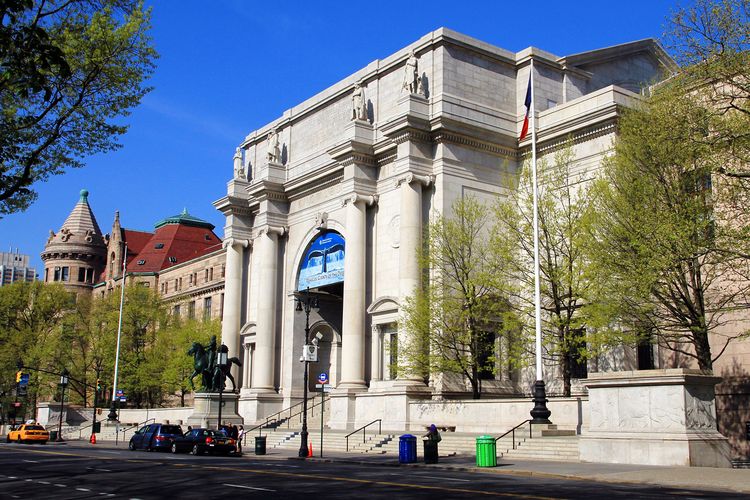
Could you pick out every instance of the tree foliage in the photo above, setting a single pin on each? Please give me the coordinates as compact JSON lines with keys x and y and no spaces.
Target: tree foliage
{"x":453,"y":320}
{"x":69,"y":69}
{"x":672,"y":247}
{"x":565,"y":284}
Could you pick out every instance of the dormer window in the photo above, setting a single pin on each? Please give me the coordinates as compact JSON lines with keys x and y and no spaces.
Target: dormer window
{"x":172,"y":259}
{"x":207,"y":236}
{"x":159,"y":246}
{"x":141,"y":262}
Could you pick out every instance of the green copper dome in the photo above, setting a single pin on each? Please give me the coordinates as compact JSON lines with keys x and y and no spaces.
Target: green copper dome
{"x":186,"y":219}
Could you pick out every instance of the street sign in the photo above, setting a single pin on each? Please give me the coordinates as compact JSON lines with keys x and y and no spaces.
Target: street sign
{"x":120,"y":393}
{"x":123,"y":399}
{"x":323,"y":378}
{"x":325,"y":387}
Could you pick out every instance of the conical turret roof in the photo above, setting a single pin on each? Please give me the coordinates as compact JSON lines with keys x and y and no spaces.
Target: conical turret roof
{"x":80,"y":227}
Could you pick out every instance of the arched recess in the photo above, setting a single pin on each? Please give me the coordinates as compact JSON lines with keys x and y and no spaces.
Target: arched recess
{"x":329,"y":354}
{"x":310,"y":236}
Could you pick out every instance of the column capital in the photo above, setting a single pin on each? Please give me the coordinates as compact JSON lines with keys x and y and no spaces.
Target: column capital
{"x":277,"y":230}
{"x":236,"y":242}
{"x":353,"y":198}
{"x":410,"y":177}
{"x":377,"y":329}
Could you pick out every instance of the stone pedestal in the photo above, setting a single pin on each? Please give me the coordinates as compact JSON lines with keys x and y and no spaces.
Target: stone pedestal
{"x":206,"y":412}
{"x":256,"y":405}
{"x":654,"y":417}
{"x":344,"y":408}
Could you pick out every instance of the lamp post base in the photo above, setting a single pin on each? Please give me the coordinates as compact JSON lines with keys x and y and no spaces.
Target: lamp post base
{"x":303,"y":450}
{"x":540,"y":414}
{"x":112,"y":416}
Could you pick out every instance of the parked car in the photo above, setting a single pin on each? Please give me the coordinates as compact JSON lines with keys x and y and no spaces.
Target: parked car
{"x":155,"y":437}
{"x":27,"y":433}
{"x":199,"y":441}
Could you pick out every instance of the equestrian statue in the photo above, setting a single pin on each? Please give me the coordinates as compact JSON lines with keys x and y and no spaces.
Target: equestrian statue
{"x":205,"y":364}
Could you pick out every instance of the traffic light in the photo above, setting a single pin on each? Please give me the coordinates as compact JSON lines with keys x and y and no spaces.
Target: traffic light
{"x":19,"y":374}
{"x":98,"y":385}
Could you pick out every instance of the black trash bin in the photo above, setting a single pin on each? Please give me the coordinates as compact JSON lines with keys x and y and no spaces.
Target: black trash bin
{"x":430,"y":451}
{"x":260,"y":445}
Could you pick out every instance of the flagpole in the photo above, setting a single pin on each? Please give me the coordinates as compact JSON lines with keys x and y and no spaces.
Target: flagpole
{"x":113,"y":410}
{"x":540,"y":413}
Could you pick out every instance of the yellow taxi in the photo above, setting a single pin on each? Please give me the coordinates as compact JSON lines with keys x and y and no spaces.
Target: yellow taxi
{"x":27,"y":433}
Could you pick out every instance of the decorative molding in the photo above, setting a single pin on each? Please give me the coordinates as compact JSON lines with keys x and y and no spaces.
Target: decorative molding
{"x":277,"y":230}
{"x":448,"y":137}
{"x":579,"y":137}
{"x":356,"y":158}
{"x":410,"y":135}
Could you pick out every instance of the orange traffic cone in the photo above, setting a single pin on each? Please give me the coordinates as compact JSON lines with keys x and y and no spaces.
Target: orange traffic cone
{"x":310,"y":452}
{"x":93,"y":438}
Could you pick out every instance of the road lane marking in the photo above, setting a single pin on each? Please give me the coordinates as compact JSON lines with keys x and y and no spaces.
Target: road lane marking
{"x":82,"y":489}
{"x":247,"y":487}
{"x":43,"y":482}
{"x":31,"y":461}
{"x":60,"y":485}
{"x":444,"y":478}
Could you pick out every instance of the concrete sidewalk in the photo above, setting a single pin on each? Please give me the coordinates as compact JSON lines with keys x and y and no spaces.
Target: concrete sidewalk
{"x":692,"y":478}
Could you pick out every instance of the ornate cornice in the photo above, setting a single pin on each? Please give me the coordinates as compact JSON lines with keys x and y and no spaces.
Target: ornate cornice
{"x":449,"y":137}
{"x":410,"y":135}
{"x":578,"y":137}
{"x":236,"y":241}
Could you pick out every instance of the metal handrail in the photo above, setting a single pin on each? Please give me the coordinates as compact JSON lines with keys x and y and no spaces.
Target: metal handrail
{"x":513,"y":432}
{"x":271,"y":418}
{"x":364,"y":432}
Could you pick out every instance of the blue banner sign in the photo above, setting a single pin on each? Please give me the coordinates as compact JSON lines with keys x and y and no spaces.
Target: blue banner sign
{"x":323,"y":263}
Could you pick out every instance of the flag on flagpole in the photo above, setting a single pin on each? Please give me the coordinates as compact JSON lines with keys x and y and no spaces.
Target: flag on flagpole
{"x":527,"y":103}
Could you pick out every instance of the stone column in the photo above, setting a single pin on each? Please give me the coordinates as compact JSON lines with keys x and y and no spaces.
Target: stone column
{"x":265,"y":345}
{"x":230,"y":324}
{"x":376,"y":353}
{"x":248,"y":362}
{"x":353,"y":321}
{"x":410,"y":240}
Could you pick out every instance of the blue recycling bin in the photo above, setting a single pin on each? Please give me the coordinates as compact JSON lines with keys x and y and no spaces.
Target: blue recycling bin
{"x":407,"y":449}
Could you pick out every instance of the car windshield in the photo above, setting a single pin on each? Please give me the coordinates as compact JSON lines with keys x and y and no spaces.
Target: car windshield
{"x":171,"y":429}
{"x":34,"y":428}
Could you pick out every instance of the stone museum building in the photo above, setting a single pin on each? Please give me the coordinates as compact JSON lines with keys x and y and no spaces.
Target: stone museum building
{"x":332,"y":198}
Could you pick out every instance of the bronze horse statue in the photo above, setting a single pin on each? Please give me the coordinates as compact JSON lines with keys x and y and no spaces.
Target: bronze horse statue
{"x":211,"y":380}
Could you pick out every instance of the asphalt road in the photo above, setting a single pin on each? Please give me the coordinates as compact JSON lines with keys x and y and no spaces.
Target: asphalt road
{"x":70,"y":471}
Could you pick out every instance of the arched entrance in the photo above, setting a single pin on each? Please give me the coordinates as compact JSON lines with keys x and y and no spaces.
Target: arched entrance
{"x":321,"y":276}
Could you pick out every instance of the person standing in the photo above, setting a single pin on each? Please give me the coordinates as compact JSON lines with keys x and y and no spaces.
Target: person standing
{"x":240,"y":437}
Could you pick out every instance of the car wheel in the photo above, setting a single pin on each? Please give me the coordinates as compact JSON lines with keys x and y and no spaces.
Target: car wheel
{"x":195,"y":450}
{"x":174,"y":447}
{"x":131,"y":446}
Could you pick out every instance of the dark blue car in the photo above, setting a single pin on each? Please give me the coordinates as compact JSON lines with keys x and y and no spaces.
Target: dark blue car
{"x":155,"y":437}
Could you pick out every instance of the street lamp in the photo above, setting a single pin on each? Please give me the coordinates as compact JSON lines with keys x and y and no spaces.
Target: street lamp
{"x":305,"y":302}
{"x":221,"y":361}
{"x":63,"y":385}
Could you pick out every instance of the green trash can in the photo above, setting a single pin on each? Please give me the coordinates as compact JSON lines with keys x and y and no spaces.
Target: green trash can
{"x":486,"y":452}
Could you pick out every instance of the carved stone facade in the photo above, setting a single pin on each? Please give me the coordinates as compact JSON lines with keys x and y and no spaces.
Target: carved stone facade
{"x":443,"y":118}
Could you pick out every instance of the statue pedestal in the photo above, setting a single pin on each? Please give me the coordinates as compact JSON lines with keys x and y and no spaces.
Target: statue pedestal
{"x":206,"y":412}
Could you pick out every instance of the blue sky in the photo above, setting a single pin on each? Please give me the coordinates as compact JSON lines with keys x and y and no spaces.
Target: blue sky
{"x":228,"y":67}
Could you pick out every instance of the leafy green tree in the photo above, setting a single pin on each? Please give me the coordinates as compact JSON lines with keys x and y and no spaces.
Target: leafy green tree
{"x":69,"y":69}
{"x":31,"y":319}
{"x":565,"y":285}
{"x":673,"y":248}
{"x":452,"y":322}
{"x":173,"y":344}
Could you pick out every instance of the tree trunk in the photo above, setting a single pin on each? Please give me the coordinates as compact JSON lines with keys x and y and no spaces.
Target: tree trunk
{"x":703,"y":349}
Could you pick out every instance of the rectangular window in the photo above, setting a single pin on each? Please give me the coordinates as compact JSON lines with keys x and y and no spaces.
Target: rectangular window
{"x":191,"y":280}
{"x":191,"y":310}
{"x":46,"y":275}
{"x":205,"y":277}
{"x":176,"y":310}
{"x":90,"y":275}
{"x":577,"y":360}
{"x":65,"y":271}
{"x":81,"y":274}
{"x":175,"y":284}
{"x":180,"y":287}
{"x":223,"y":270}
{"x":486,"y":356}
{"x":211,"y":274}
{"x":207,"y":308}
